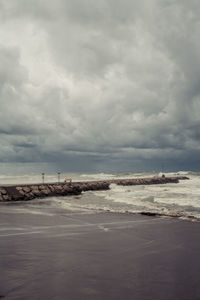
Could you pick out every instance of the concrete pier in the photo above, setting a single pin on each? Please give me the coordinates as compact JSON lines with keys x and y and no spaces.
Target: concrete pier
{"x":31,"y":191}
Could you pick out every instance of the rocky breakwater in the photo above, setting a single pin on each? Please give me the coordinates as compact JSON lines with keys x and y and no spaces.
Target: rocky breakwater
{"x":28,"y":192}
{"x":31,"y":191}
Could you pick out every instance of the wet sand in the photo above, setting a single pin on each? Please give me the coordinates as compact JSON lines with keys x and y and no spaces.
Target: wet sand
{"x":100,"y":256}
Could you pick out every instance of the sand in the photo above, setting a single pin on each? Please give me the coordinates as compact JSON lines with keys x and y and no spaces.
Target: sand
{"x":100,"y":256}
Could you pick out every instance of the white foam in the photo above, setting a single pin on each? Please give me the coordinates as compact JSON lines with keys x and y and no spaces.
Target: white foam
{"x":183,"y":197}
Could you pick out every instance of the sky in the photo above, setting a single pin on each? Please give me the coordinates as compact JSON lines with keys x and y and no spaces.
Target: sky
{"x":105,"y":85}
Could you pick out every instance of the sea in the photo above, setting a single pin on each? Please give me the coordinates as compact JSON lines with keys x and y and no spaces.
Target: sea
{"x":181,"y":200}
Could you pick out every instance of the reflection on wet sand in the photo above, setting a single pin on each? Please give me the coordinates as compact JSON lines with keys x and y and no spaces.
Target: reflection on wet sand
{"x":97,"y":256}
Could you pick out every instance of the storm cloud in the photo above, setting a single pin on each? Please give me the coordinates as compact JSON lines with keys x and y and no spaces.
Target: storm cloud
{"x":100,"y":85}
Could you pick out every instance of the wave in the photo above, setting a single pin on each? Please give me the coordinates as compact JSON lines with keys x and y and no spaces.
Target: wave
{"x":98,"y":176}
{"x":174,"y":200}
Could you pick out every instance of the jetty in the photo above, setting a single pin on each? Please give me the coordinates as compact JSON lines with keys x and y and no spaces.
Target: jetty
{"x":24,"y":192}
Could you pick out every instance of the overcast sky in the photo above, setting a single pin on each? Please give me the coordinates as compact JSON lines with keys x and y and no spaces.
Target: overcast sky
{"x":100,"y":85}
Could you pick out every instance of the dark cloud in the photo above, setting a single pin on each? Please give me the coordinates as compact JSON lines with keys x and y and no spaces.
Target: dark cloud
{"x":99,"y":85}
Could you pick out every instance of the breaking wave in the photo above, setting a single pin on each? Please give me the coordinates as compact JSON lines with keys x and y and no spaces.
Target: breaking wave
{"x":180,"y":200}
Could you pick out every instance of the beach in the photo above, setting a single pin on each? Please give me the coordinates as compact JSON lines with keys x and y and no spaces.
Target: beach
{"x":73,"y":255}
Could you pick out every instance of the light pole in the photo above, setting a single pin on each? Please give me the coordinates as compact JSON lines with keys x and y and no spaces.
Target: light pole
{"x":58,"y":177}
{"x":43,"y":177}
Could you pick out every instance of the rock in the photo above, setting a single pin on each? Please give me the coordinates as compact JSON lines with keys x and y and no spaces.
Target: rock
{"x":58,"y":189}
{"x":33,"y":187}
{"x":84,"y":187}
{"x":67,"y":187}
{"x":22,"y":192}
{"x":26,"y":189}
{"x":42,"y":187}
{"x":3,"y":191}
{"x":45,"y":192}
{"x":19,"y":188}
{"x":36,"y":192}
{"x":68,"y":191}
{"x":31,"y":195}
{"x":6,"y":198}
{"x":150,"y":214}
{"x":76,"y":190}
{"x":183,"y":178}
{"x":51,"y":187}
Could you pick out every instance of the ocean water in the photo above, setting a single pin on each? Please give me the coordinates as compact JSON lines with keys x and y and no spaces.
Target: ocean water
{"x":178,"y":200}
